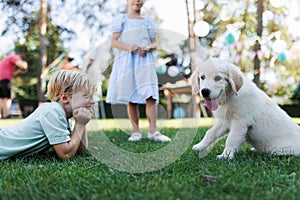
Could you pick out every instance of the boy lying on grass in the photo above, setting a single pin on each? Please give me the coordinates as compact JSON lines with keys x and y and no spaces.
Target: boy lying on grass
{"x":71,"y":94}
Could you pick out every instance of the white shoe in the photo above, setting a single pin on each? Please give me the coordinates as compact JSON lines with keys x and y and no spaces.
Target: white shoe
{"x":135,"y":137}
{"x":158,"y":137}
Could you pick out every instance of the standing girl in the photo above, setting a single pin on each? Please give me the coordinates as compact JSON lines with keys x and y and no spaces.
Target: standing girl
{"x":133,"y":79}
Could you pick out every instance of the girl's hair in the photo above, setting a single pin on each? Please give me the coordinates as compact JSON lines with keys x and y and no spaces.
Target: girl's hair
{"x":70,"y":82}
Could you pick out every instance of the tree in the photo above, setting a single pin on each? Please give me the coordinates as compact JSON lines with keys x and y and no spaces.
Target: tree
{"x":19,"y":17}
{"x":43,"y":50}
{"x":237,"y":34}
{"x":27,"y":84}
{"x":257,"y":45}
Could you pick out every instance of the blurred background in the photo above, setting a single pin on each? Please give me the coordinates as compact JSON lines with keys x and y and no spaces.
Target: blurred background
{"x":260,"y":36}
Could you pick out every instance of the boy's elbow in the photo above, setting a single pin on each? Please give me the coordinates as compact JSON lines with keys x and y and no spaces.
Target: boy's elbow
{"x":63,"y":151}
{"x":64,"y":156}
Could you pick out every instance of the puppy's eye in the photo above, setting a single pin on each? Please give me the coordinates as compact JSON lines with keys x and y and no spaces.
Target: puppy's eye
{"x":202,"y":77}
{"x":218,"y":78}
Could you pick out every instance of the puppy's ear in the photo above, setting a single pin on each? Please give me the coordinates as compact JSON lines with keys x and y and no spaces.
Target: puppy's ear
{"x":195,"y":82}
{"x":236,"y":79}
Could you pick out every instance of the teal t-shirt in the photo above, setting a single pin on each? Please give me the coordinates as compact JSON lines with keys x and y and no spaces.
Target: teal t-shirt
{"x":46,"y":126}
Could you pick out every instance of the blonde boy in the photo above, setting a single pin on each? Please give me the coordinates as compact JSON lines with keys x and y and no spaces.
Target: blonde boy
{"x":71,"y":95}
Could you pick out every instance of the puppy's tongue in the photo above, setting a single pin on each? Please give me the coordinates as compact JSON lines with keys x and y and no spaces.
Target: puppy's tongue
{"x":211,"y":104}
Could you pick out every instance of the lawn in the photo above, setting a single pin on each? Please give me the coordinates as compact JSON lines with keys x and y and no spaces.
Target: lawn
{"x":117,"y":169}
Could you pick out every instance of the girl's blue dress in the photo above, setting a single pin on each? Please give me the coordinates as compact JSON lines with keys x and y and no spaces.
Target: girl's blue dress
{"x":133,"y":77}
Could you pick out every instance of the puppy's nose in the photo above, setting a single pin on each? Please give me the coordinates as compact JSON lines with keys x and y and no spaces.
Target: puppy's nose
{"x":205,"y":92}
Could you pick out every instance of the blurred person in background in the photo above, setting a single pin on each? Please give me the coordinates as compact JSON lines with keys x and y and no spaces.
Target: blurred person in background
{"x":7,"y":72}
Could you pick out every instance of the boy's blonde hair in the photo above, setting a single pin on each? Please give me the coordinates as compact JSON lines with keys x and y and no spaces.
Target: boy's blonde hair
{"x":70,"y":82}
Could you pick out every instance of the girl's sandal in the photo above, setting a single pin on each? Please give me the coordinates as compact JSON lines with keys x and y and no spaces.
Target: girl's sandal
{"x":158,"y":137}
{"x":135,"y":137}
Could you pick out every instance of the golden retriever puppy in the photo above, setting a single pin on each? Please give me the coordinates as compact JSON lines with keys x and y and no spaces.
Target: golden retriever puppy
{"x":243,"y":111}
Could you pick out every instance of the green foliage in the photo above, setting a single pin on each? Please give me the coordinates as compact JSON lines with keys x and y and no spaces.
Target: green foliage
{"x":22,"y":18}
{"x":26,"y":84}
{"x":273,"y":29}
{"x":296,"y":95}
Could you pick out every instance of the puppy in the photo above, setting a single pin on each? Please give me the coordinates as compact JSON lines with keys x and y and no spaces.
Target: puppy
{"x":243,"y":111}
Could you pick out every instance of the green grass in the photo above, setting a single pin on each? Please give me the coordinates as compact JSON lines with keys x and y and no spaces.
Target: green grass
{"x":248,"y":176}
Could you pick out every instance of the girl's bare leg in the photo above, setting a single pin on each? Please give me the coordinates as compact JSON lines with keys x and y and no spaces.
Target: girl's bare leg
{"x":134,"y":116}
{"x":151,"y":113}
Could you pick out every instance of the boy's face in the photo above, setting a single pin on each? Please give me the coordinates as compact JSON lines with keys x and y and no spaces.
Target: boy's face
{"x":79,"y":99}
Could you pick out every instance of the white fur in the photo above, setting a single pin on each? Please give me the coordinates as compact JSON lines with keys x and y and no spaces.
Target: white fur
{"x":245,"y":113}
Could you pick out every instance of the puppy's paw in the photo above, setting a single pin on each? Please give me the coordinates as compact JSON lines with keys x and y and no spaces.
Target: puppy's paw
{"x":220,"y":157}
{"x":203,"y":149}
{"x":198,"y":147}
{"x":226,"y":156}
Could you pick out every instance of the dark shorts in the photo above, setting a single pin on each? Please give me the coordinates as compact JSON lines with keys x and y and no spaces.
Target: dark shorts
{"x":5,"y":88}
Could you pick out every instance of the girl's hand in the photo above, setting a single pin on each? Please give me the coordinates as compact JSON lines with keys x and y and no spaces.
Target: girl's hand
{"x":82,"y":115}
{"x":133,"y":48}
{"x":145,"y":50}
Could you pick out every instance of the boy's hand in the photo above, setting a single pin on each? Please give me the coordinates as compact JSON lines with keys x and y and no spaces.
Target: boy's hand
{"x":82,"y":115}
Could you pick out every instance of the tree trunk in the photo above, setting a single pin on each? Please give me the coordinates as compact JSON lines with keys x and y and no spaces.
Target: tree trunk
{"x":192,"y":37}
{"x":257,"y":46}
{"x":192,"y":44}
{"x":43,"y":49}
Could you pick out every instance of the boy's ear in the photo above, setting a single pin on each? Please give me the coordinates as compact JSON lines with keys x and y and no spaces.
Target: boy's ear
{"x":64,"y":98}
